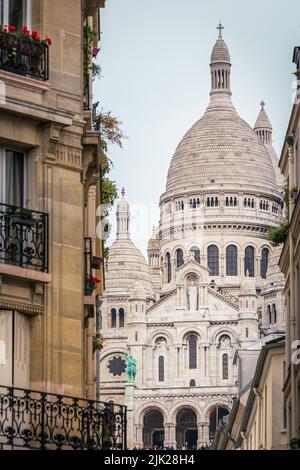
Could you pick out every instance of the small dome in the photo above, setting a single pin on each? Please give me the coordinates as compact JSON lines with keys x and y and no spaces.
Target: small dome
{"x":138,"y":291}
{"x":125,"y":266}
{"x":220,"y":52}
{"x":263,"y":121}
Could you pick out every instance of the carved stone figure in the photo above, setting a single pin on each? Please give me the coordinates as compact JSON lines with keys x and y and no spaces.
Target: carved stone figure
{"x":192,"y":295}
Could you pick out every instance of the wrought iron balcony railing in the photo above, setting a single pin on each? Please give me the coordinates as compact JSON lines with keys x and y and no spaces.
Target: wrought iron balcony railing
{"x":45,"y":421}
{"x":23,"y":238}
{"x":24,"y":59}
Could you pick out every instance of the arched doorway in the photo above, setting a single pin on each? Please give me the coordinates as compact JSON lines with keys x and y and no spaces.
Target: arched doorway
{"x":153,"y":434}
{"x":215,"y":417}
{"x":186,"y":429}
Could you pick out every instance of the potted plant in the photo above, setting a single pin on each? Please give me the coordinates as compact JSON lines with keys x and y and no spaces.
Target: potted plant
{"x":93,"y":281}
{"x":23,"y":216}
{"x":96,"y":263}
{"x":295,"y":443}
{"x":98,"y":342}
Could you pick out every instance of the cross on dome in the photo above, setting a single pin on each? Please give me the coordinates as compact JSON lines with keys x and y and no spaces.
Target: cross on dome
{"x":263,"y":104}
{"x":220,"y":28}
{"x":123,"y":192}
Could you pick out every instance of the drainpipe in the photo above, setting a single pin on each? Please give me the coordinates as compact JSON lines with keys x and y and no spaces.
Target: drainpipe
{"x":98,"y":329}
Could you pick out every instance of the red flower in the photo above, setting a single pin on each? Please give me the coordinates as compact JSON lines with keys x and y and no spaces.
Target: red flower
{"x":49,"y":41}
{"x":96,"y":279}
{"x":25,"y":30}
{"x":34,"y":34}
{"x":37,"y":38}
{"x":5,"y":30}
{"x":12,"y":28}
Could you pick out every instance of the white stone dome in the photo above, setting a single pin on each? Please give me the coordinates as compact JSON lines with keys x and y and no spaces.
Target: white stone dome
{"x":221,"y":148}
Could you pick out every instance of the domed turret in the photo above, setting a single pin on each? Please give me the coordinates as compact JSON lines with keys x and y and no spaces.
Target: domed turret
{"x":126,"y":264}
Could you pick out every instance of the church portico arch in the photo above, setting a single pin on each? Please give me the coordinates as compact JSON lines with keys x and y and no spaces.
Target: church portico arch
{"x":186,"y":428}
{"x":150,"y":430}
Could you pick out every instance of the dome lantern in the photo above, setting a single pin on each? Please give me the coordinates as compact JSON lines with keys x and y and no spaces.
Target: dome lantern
{"x":220,"y":66}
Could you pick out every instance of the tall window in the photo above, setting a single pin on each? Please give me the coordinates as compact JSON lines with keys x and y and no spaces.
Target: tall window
{"x":274,"y":313}
{"x":196,"y":252}
{"x":249,"y":261}
{"x":225,"y":366}
{"x":15,"y":13}
{"x":269,"y":314}
{"x":161,"y":369}
{"x":193,"y":352}
{"x":179,"y":258}
{"x":231,"y":260}
{"x":264,"y":263}
{"x":113,"y":318}
{"x":12,"y":177}
{"x":169,"y":267}
{"x":213,"y":260}
{"x":121,"y":317}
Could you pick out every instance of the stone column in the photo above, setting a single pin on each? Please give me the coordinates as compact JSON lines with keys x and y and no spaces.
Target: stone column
{"x":172,"y":435}
{"x":128,"y":401}
{"x":138,"y":436}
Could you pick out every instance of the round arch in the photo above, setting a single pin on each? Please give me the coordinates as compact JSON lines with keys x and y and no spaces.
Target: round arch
{"x":189,"y":332}
{"x":143,"y":409}
{"x":224,"y":331}
{"x":160,"y":333}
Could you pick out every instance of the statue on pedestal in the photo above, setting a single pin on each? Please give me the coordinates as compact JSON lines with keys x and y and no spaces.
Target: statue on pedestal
{"x":130,"y":368}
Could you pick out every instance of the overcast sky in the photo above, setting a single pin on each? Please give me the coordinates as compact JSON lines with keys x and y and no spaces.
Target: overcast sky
{"x":155,"y":78}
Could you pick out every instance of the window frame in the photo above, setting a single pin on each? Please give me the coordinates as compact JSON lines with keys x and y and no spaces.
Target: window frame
{"x":213,"y":259}
{"x":3,"y":158}
{"x":161,"y":369}
{"x":225,"y":366}
{"x":193,"y":356}
{"x":229,"y":261}
{"x":247,"y":249}
{"x":26,"y":13}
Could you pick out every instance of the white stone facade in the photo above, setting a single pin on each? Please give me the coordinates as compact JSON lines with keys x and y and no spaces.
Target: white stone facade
{"x":183,"y":315}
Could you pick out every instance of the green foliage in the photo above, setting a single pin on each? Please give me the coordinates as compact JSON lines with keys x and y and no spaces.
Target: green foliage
{"x":89,"y":37}
{"x":110,"y":131}
{"x":279,"y":234}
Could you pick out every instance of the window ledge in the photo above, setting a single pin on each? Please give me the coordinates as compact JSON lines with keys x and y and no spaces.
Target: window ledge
{"x":23,"y":273}
{"x":24,"y":82}
{"x":89,"y":300}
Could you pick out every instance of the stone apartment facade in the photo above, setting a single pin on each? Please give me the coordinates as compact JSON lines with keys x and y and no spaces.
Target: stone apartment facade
{"x":49,"y":188}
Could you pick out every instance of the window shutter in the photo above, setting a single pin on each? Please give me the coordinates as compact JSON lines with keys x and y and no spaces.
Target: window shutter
{"x":6,"y":348}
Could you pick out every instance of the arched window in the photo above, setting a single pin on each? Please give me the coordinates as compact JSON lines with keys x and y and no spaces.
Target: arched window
{"x":249,"y":261}
{"x":113,"y":318}
{"x":179,"y":258}
{"x":231,"y":260}
{"x":169,"y":267}
{"x":192,"y":383}
{"x":264,"y":263}
{"x":213,"y":260}
{"x":225,"y":366}
{"x":274,"y":313}
{"x":161,"y":369}
{"x":121,"y":317}
{"x":196,"y":252}
{"x":193,"y":352}
{"x":269,"y":314}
